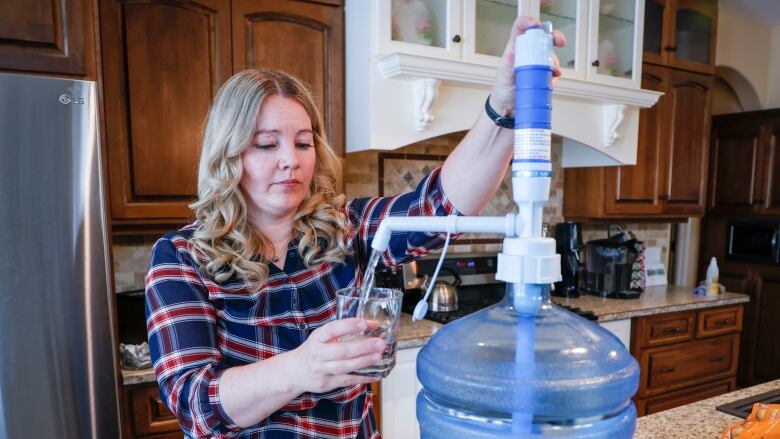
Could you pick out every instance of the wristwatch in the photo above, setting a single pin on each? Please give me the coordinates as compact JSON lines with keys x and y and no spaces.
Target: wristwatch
{"x":502,"y":121}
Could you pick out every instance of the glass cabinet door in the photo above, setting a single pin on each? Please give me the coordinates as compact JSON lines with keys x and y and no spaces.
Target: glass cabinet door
{"x":424,"y":27}
{"x":567,"y":17}
{"x":694,"y":30}
{"x":486,"y":27}
{"x":493,"y":22}
{"x":617,"y":53}
{"x":653,"y":42}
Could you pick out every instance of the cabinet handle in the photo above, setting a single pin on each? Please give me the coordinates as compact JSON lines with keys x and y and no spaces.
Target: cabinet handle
{"x":723,"y":322}
{"x":759,"y":201}
{"x":663,"y":197}
{"x":717,"y":359}
{"x":667,"y":370}
{"x":670,"y":48}
{"x":671,"y":331}
{"x":456,"y":39}
{"x":595,"y":63}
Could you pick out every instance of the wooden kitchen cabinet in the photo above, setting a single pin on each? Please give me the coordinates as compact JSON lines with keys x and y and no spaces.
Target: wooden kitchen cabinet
{"x":146,"y":416}
{"x":760,"y":348}
{"x":669,"y":179}
{"x":303,"y":38}
{"x":745,"y":164}
{"x":681,"y":34}
{"x":686,"y":356}
{"x":49,"y":37}
{"x":163,"y":62}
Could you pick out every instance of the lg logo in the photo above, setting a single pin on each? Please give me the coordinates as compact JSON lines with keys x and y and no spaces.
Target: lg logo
{"x":66,"y":99}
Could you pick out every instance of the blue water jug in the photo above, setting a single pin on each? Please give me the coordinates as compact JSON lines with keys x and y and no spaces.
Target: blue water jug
{"x":501,"y":373}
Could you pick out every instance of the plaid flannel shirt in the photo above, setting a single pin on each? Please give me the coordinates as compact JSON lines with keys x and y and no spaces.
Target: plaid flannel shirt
{"x":198,"y":328}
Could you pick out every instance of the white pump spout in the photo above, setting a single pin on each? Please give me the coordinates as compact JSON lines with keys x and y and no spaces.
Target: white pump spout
{"x":509,"y":225}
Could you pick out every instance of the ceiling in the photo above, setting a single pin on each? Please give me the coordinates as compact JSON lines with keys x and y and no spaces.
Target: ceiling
{"x":762,"y":11}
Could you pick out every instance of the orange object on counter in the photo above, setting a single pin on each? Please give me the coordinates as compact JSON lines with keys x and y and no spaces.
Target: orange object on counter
{"x":763,"y":423}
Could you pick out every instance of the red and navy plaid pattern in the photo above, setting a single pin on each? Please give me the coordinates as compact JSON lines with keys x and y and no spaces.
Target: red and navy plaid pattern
{"x":198,"y":327}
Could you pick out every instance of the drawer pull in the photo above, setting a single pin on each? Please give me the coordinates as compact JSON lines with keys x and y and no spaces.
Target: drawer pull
{"x":667,"y":370}
{"x":671,"y":331}
{"x":717,"y":359}
{"x":723,"y":322}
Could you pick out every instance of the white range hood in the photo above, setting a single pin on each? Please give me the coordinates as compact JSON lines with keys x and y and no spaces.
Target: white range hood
{"x":395,"y":99}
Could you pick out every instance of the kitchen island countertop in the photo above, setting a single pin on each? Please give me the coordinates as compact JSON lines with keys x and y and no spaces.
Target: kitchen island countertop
{"x":698,"y":420}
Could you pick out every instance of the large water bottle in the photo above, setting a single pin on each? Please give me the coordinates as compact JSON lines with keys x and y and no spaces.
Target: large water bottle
{"x":576,"y":381}
{"x":525,"y":367}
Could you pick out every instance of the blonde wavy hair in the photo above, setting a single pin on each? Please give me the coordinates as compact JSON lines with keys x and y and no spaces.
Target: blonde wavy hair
{"x":231,"y":244}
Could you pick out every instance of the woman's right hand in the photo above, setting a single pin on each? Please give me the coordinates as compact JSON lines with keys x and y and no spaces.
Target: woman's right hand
{"x":322,"y":363}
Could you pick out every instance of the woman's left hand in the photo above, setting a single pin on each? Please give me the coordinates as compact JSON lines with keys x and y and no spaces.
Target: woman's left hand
{"x":502,"y":95}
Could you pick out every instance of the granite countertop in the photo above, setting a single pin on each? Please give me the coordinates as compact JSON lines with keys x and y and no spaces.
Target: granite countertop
{"x":698,"y":420}
{"x":654,"y":300}
{"x":410,"y":335}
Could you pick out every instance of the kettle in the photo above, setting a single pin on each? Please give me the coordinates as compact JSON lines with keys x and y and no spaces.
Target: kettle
{"x":444,"y":296}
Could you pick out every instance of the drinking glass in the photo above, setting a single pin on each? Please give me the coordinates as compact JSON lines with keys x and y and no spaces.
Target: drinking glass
{"x":382,"y":309}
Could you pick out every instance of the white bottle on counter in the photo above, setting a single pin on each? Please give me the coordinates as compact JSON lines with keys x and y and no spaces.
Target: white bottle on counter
{"x":712,"y":277}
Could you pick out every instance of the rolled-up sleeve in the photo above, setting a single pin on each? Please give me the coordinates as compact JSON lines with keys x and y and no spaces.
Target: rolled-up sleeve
{"x":428,"y":199}
{"x":182,"y":329}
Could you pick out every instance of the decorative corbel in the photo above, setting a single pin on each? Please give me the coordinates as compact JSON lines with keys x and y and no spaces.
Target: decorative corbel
{"x":424,"y":93}
{"x":613,"y":117}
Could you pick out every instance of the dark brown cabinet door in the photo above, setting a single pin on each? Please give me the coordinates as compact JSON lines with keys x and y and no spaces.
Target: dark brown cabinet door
{"x":766,"y":352}
{"x":303,"y":38}
{"x":769,"y":200}
{"x":744,"y":164}
{"x":163,"y":61}
{"x":48,"y":36}
{"x":735,"y":167}
{"x":686,"y":163}
{"x":635,"y":189}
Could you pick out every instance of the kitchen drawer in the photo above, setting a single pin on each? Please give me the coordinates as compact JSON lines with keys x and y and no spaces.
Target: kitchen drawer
{"x":150,"y":415}
{"x":655,"y":404}
{"x":686,"y":364}
{"x":664,"y":329}
{"x":719,"y":321}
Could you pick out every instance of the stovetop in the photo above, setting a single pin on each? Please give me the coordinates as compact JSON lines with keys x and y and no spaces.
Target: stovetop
{"x":471,"y":299}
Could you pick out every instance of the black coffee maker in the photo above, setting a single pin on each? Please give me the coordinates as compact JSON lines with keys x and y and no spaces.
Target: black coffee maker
{"x":609,"y":265}
{"x":568,"y":244}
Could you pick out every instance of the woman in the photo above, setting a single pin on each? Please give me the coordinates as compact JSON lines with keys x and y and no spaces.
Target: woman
{"x":241,"y":303}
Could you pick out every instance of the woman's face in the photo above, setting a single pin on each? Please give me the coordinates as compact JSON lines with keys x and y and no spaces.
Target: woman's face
{"x":279,"y":163}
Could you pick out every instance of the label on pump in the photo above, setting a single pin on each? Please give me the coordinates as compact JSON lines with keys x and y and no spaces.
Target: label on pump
{"x":532,"y":145}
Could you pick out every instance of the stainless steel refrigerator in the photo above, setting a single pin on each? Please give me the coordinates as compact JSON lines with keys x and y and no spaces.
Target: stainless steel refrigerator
{"x":57,"y":367}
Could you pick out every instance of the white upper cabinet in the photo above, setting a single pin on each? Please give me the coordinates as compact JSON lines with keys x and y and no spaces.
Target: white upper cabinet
{"x":469,"y":30}
{"x":421,"y":68}
{"x":604,"y":38}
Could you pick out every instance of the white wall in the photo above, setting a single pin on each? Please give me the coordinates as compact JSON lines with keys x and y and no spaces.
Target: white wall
{"x":746,"y":46}
{"x":773,"y":89}
{"x":753,"y":49}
